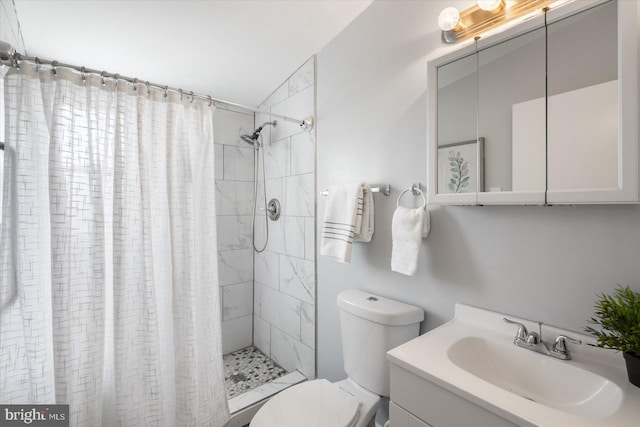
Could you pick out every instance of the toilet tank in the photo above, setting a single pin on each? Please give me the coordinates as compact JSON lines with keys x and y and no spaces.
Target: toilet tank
{"x":372,"y":325}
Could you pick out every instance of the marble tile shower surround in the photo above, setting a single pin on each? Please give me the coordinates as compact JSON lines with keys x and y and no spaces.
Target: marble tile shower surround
{"x":272,"y":307}
{"x":284,"y":284}
{"x":234,"y":192}
{"x":9,"y":25}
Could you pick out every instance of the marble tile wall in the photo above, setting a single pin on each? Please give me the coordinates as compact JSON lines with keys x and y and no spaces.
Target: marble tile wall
{"x":9,"y":26}
{"x":234,"y":192}
{"x":285,"y":277}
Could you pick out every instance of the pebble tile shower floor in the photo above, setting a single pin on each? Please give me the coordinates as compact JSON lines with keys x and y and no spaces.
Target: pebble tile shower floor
{"x":248,"y":368}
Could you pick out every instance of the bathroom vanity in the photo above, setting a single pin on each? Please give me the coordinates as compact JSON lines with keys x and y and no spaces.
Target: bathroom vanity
{"x":468,"y":372}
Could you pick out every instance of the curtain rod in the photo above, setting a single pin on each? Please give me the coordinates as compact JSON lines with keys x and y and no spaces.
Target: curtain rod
{"x":10,"y":57}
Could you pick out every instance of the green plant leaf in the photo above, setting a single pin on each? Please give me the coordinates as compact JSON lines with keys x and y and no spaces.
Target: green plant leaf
{"x":617,"y":318}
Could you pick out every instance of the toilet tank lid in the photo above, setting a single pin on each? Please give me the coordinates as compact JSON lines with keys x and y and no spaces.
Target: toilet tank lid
{"x":379,"y":309}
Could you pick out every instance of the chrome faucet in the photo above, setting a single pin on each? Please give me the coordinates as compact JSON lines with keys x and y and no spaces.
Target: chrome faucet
{"x":533,"y":341}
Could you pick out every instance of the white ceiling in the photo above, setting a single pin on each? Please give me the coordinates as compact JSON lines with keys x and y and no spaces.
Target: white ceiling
{"x":238,"y":50}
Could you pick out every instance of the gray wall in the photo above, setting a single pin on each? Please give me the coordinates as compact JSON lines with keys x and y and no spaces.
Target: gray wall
{"x":543,"y":263}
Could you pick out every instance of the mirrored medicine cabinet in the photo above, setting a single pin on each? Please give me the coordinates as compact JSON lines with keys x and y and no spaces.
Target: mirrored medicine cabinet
{"x":543,"y":113}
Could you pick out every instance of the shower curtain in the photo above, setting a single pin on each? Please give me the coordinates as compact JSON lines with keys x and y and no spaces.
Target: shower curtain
{"x":109,"y":297}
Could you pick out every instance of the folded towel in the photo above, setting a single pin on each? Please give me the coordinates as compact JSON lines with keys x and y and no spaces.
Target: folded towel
{"x":408,"y":226}
{"x":366,"y":227}
{"x":347,"y":216}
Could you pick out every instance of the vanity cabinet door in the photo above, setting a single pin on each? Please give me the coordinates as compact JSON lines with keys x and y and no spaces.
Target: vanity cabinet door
{"x":400,"y":418}
{"x":436,"y":405}
{"x":455,"y":157}
{"x":488,"y":129}
{"x":511,"y":119}
{"x":592,"y":95}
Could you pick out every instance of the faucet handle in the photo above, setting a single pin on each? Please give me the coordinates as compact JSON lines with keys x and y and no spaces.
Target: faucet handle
{"x":522,"y":330}
{"x":560,"y":345}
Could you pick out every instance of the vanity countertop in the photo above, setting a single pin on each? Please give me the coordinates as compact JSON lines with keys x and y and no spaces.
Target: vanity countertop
{"x":438,"y":357}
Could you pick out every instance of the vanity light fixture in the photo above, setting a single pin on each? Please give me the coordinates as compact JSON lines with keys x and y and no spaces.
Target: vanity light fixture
{"x":486,"y":15}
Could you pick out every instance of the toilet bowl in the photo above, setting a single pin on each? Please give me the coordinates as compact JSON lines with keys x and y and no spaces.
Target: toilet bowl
{"x":371,"y":325}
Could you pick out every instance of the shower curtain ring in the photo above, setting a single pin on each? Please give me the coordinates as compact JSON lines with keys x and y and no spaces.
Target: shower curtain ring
{"x":135,"y":84}
{"x":37,"y":64}
{"x":102,"y":75}
{"x":148,"y":85}
{"x":180,"y":90}
{"x":210,"y":100}
{"x":83,"y":74}
{"x":54,"y":64}
{"x":192,"y":97}
{"x":166,"y":91}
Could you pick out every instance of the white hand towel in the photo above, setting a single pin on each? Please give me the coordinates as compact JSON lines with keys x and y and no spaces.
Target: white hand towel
{"x":427,"y":223}
{"x":366,"y":228}
{"x":407,"y":228}
{"x":342,"y":221}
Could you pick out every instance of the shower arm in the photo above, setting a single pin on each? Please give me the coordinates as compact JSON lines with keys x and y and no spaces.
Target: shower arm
{"x":12,"y":58}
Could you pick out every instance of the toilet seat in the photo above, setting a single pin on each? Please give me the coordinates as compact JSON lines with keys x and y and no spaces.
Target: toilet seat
{"x":316,"y":403}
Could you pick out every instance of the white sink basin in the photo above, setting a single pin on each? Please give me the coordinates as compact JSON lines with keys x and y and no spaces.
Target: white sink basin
{"x":473,"y":357}
{"x":537,"y":377}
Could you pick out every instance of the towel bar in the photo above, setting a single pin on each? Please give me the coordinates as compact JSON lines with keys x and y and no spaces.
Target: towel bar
{"x":382,"y":188}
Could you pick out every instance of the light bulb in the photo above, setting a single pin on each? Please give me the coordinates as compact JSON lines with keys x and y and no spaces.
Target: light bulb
{"x":448,"y":19}
{"x":489,"y":5}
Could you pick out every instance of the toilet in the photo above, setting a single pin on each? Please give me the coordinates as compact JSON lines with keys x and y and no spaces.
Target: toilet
{"x":371,"y":326}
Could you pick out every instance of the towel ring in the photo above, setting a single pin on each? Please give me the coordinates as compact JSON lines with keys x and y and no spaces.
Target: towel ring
{"x":413,"y":189}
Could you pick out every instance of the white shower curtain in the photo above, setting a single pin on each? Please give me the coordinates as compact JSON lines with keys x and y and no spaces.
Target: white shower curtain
{"x":109,"y":296}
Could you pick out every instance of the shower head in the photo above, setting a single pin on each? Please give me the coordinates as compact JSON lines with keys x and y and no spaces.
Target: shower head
{"x":251,"y":139}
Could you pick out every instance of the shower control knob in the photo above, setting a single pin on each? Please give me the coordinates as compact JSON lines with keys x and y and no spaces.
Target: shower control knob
{"x":273,"y":209}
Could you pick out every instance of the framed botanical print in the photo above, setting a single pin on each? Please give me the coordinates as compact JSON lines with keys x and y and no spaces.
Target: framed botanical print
{"x":460,"y":167}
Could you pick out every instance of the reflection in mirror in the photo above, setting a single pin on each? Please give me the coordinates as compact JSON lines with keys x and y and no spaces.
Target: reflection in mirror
{"x":511,"y":113}
{"x":582,"y":106}
{"x":464,"y":167}
{"x":457,"y":126}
